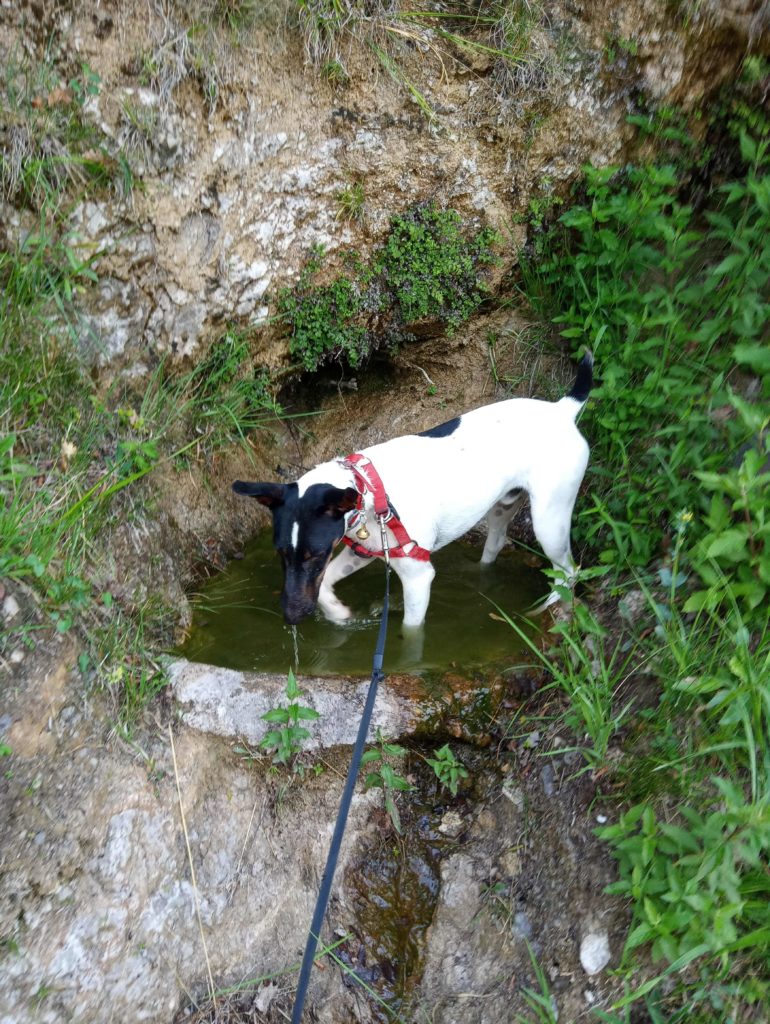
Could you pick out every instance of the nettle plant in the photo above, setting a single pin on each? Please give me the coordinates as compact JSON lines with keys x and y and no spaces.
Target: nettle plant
{"x":382,"y":775}
{"x":733,"y":556}
{"x":286,"y":741}
{"x":447,"y":769}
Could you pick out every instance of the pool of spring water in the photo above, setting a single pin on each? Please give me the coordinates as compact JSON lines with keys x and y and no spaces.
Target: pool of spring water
{"x":237,"y":621}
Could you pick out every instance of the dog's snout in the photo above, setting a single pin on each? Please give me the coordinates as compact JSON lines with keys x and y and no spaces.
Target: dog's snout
{"x":294,"y":616}
{"x":296,"y":607}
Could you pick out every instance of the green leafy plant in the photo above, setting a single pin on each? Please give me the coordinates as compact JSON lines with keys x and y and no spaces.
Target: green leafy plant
{"x":699,"y":886}
{"x":286,"y":742}
{"x":384,"y":776}
{"x":733,"y":556}
{"x":675,"y":304}
{"x":323,"y":322}
{"x":428,"y":267}
{"x":447,"y":768}
{"x":431,"y":269}
{"x":667,"y":310}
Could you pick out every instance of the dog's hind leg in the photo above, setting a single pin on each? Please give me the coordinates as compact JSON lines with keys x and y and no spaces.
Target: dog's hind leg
{"x":551,"y":520}
{"x":498,"y":517}
{"x":345,"y":564}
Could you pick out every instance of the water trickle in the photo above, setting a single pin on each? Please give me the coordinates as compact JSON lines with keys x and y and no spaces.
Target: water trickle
{"x":237,"y":621}
{"x":295,"y":638}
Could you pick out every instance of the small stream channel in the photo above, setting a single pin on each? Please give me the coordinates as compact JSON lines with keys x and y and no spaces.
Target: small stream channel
{"x":237,"y":621}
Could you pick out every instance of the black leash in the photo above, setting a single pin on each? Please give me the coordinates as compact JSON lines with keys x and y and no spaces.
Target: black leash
{"x":345,"y":800}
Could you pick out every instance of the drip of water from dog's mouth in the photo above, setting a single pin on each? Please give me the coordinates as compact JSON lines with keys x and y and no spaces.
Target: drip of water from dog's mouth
{"x":295,"y":641}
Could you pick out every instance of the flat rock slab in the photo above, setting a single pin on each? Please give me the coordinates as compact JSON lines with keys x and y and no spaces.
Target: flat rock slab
{"x":231,"y":703}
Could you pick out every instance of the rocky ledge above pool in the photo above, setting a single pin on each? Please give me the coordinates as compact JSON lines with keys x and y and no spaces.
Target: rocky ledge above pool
{"x":230,"y":703}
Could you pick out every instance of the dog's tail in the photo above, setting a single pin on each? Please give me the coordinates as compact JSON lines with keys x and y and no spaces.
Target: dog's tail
{"x":583,"y":382}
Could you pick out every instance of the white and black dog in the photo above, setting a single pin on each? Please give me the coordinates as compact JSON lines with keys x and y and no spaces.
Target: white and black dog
{"x":430,"y":489}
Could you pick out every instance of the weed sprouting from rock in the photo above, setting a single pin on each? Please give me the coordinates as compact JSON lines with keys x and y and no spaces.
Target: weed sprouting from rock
{"x":382,"y":775}
{"x":448,"y":770}
{"x":286,"y":741}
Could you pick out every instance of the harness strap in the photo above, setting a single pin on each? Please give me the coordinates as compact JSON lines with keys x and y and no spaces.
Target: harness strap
{"x":368,"y":481}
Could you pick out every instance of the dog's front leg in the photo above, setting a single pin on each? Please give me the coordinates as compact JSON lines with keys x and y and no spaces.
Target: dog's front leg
{"x":345,"y":564}
{"x":416,"y":578}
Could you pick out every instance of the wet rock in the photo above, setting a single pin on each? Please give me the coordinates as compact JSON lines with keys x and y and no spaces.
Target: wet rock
{"x":595,"y":952}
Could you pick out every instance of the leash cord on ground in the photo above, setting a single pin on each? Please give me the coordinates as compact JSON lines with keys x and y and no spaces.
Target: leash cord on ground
{"x":342,"y":813}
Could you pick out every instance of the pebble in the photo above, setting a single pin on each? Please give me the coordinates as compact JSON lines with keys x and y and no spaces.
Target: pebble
{"x":10,"y":607}
{"x":594,"y":952}
{"x":16,"y":656}
{"x":515,"y":794}
{"x":452,"y":824}
{"x":546,"y":775}
{"x":521,"y":926}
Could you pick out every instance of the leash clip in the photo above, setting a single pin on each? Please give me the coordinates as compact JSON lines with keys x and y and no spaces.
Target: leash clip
{"x":382,"y":518}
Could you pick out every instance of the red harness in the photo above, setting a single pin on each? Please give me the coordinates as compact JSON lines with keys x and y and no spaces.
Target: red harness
{"x":368,"y":481}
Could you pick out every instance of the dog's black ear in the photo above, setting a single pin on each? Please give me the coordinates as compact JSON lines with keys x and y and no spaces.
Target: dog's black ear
{"x":336,"y":501}
{"x":270,"y":495}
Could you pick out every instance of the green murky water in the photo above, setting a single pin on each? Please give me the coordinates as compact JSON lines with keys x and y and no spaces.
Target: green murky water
{"x":238,"y":624}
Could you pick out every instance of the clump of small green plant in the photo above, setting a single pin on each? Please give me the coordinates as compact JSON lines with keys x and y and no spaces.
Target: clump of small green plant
{"x":382,"y":775}
{"x":50,"y":147}
{"x":285,"y":742}
{"x":617,"y":47}
{"x":504,"y":32}
{"x":428,"y":268}
{"x":119,"y":654}
{"x":540,"y":1001}
{"x":431,"y":270}
{"x":351,"y":201}
{"x":324,"y":322}
{"x":591,"y":670}
{"x":448,"y":770}
{"x":335,"y":73}
{"x":234,"y":14}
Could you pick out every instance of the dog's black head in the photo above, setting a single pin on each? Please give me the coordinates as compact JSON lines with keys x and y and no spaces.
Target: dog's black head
{"x":305,"y":530}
